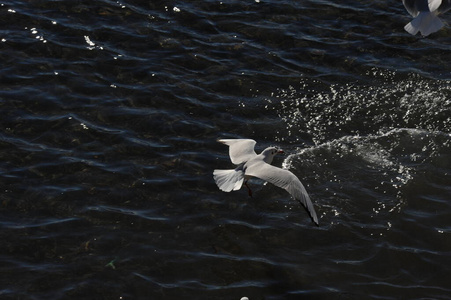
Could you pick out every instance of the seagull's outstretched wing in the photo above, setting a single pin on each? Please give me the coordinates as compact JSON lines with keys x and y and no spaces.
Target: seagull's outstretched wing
{"x":286,"y":180}
{"x":240,"y":150}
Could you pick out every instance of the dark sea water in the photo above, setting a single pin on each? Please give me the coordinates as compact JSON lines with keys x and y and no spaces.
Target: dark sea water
{"x":110,"y":112}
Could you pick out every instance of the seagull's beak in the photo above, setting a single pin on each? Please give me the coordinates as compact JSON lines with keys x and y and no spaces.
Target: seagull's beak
{"x":280,"y":151}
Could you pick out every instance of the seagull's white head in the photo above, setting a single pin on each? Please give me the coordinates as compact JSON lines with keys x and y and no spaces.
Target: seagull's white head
{"x":269,"y":153}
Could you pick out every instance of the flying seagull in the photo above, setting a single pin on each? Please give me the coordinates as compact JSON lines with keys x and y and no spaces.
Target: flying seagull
{"x":249,"y":164}
{"x":425,"y":14}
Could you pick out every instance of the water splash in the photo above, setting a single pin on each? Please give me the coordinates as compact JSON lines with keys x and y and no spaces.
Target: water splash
{"x":378,"y":169}
{"x":328,"y":111}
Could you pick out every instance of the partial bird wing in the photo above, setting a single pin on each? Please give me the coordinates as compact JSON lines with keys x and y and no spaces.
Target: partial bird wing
{"x":286,"y":180}
{"x":240,"y":150}
{"x":434,"y":4}
{"x":415,"y":6}
{"x":411,"y":7}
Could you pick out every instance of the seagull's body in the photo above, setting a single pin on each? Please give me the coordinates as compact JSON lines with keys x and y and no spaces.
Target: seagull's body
{"x":425,"y":14}
{"x":249,"y":164}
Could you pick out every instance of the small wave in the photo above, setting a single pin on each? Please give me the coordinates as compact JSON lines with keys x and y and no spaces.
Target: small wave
{"x":36,"y":224}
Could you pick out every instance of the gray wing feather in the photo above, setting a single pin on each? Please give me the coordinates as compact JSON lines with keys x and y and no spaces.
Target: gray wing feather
{"x":286,"y":180}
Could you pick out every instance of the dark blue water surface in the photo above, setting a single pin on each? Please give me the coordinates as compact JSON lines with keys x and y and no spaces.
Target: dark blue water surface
{"x":110,"y":112}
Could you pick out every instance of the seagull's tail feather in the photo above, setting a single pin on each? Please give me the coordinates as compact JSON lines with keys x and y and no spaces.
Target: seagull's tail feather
{"x":425,"y":22}
{"x":229,"y":180}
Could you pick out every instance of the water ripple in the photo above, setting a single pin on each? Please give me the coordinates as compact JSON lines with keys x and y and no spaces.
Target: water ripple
{"x":110,"y":115}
